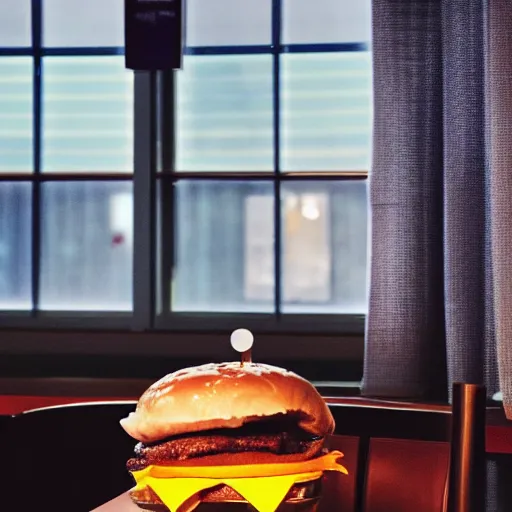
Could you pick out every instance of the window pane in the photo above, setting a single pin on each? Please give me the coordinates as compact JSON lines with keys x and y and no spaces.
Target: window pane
{"x":83,"y":23}
{"x":228,"y":22}
{"x":224,"y":247}
{"x":324,"y":247}
{"x":16,"y":135}
{"x":326,"y":21}
{"x":225,"y":113}
{"x":15,"y":246}
{"x":87,"y":246}
{"x":15,"y":24}
{"x":87,"y":114}
{"x":326,"y":111}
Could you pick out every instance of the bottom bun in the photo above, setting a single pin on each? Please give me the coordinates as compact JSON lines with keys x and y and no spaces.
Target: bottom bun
{"x":301,"y":497}
{"x":289,"y":506}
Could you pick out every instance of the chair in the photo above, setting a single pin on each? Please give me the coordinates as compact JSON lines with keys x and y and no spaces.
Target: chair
{"x":69,"y":457}
{"x":408,"y":457}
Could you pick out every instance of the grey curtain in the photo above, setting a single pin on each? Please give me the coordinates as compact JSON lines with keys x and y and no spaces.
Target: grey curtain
{"x":441,"y":198}
{"x":440,"y":298}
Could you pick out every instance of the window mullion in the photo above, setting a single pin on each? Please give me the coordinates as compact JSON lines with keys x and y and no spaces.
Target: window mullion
{"x":166,"y":225}
{"x":37,"y":21}
{"x":144,"y":200}
{"x":276,"y":47}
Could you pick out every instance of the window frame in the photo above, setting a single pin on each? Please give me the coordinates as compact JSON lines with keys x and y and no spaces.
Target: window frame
{"x":152,"y":328}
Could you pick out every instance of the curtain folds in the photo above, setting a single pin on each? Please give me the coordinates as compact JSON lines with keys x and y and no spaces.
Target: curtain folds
{"x":440,"y":297}
{"x":440,"y":300}
{"x":500,"y":108}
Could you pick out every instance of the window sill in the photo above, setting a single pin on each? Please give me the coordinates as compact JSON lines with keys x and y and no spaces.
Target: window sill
{"x":289,"y":323}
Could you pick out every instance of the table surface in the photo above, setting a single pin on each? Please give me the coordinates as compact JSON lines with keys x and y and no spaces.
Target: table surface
{"x":122,"y":503}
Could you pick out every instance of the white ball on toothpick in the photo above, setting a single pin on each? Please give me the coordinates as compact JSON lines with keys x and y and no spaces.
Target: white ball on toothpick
{"x":242,"y":340}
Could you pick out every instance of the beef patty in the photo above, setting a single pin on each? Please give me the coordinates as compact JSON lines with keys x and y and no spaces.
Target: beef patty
{"x":269,"y":436}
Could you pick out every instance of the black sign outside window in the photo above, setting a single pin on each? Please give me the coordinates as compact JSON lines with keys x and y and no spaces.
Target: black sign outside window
{"x":153,"y":34}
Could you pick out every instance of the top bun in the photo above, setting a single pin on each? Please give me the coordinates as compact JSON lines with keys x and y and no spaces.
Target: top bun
{"x":226,"y":395}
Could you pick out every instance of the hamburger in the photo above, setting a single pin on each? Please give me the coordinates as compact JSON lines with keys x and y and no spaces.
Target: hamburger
{"x":251,"y":435}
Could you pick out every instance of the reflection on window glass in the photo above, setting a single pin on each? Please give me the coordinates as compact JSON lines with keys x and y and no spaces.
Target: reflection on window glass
{"x":16,"y":114}
{"x":87,"y":114}
{"x":323,"y":256}
{"x":83,"y":23}
{"x":307,"y":258}
{"x":220,"y":266}
{"x":15,"y":23}
{"x":225,"y":113}
{"x":326,"y":21}
{"x":87,"y":246}
{"x":225,"y":247}
{"x":324,"y":247}
{"x":326,"y":111}
{"x":15,"y":246}
{"x":259,"y":273}
{"x":228,"y":22}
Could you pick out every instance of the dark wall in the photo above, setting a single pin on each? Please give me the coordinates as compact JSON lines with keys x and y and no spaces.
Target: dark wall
{"x":137,"y":367}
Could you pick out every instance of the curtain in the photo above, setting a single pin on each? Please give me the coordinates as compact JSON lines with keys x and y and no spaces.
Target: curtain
{"x":440,"y":302}
{"x":440,"y":295}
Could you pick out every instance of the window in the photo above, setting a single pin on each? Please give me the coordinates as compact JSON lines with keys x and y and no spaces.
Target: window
{"x":66,"y":158}
{"x":248,"y":206}
{"x":271,"y":139}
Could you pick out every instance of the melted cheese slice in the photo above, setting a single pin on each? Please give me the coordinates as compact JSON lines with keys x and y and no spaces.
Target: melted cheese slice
{"x":264,"y":486}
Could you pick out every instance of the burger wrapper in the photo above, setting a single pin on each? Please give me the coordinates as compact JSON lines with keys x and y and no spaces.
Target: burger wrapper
{"x":264,"y":486}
